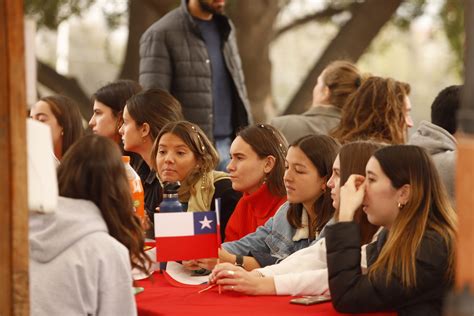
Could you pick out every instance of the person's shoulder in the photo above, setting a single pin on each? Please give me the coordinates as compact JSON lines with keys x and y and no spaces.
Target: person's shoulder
{"x":282,"y":210}
{"x":285,"y":119}
{"x":108,"y":249}
{"x":432,"y":238}
{"x":105,"y":243}
{"x":433,"y":249}
{"x":223,"y":184}
{"x":170,"y":22}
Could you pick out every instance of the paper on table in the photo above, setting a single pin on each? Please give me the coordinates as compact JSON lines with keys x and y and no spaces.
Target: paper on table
{"x":182,"y":275}
{"x":138,"y":275}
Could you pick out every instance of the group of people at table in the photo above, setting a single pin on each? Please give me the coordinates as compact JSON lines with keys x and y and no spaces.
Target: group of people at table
{"x":350,"y":211}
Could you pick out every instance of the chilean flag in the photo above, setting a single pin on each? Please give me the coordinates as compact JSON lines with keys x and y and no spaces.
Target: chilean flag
{"x":186,"y":236}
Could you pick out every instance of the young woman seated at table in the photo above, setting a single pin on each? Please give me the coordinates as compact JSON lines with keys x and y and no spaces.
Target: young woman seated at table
{"x":62,"y":115}
{"x":81,"y":255}
{"x":143,"y":117}
{"x":182,"y":152}
{"x":108,"y":104}
{"x":411,"y":267}
{"x":300,"y":221}
{"x":256,"y":169}
{"x":305,"y":271}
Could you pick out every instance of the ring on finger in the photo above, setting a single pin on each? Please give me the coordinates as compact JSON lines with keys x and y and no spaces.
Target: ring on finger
{"x":230,"y":272}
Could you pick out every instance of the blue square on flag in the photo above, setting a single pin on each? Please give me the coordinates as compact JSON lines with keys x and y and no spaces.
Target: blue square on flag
{"x":186,"y":236}
{"x":204,"y":222}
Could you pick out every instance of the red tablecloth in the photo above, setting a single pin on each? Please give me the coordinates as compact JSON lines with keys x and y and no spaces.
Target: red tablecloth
{"x":161,"y":298}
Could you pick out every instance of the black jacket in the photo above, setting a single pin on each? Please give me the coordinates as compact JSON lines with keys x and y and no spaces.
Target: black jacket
{"x":229,"y":198}
{"x":353,"y":292}
{"x":173,"y":57}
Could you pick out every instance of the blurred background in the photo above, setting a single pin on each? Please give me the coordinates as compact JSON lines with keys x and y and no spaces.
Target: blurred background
{"x":81,"y":45}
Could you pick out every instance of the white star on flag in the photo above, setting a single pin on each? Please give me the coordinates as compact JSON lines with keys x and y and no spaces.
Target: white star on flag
{"x":206,"y":223}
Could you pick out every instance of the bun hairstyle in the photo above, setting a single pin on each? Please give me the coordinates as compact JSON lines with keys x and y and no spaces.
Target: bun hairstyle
{"x":342,"y":78}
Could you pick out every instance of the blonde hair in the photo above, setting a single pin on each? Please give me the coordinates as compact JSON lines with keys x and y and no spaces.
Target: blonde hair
{"x":428,"y":208}
{"x":342,"y":78}
{"x":206,"y":155}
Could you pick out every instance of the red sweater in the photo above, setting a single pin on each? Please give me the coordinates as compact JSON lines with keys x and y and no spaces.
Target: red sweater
{"x":251,"y":211}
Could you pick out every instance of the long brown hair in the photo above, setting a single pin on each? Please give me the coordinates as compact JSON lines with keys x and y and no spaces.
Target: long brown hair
{"x":342,"y":78}
{"x":155,"y":107}
{"x":93,"y":170}
{"x":116,"y":94}
{"x":428,"y":208}
{"x":206,"y":155}
{"x":265,"y":141}
{"x":375,"y":111}
{"x":353,"y":158}
{"x":321,"y":150}
{"x":69,"y":118}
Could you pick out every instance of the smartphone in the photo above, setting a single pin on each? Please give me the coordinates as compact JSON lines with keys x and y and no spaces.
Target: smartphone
{"x":310,"y":300}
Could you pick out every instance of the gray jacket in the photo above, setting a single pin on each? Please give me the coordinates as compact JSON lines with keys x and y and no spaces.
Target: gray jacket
{"x":317,"y":120}
{"x":274,"y":241}
{"x":174,"y":57}
{"x":442,"y":147}
{"x":76,"y":267}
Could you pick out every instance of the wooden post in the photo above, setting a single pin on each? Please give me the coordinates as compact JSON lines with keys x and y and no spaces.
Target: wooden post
{"x":461,"y":301}
{"x":465,"y":163}
{"x":13,"y":177}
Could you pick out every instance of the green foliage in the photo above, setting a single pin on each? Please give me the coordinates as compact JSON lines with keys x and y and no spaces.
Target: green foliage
{"x":407,"y":12}
{"x":116,"y":13}
{"x":51,"y":13}
{"x":452,"y":16}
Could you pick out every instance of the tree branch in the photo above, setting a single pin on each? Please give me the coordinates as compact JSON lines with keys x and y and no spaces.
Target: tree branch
{"x":350,"y":43}
{"x":69,"y":87}
{"x":320,"y":15}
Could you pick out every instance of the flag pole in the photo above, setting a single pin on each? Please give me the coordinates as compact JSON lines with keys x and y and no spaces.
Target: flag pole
{"x":217,"y":203}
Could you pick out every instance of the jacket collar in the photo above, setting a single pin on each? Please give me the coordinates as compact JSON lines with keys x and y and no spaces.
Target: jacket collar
{"x":222,"y":20}
{"x":303,"y":231}
{"x":323,"y":110}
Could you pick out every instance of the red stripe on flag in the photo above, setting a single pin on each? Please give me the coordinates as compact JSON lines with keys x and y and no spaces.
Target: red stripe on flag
{"x":186,"y":247}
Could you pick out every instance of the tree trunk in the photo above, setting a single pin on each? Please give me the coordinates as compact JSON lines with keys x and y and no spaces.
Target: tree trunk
{"x":142,"y":14}
{"x":350,"y":43}
{"x":254,"y":29}
{"x":69,"y":87}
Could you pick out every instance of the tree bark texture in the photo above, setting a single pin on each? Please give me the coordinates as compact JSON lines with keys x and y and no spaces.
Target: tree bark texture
{"x":142,"y":14}
{"x":350,"y":43}
{"x":254,"y":24}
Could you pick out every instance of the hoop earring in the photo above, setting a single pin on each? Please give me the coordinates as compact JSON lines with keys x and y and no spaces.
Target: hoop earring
{"x":400,"y":205}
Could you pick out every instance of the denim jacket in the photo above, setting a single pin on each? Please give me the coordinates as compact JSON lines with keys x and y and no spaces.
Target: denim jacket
{"x":274,"y":241}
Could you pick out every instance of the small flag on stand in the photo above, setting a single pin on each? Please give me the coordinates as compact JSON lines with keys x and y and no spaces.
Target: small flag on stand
{"x":219,"y":241}
{"x":217,"y":203}
{"x":186,"y":236}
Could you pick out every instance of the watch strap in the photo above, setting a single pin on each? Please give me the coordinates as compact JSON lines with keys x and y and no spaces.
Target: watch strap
{"x":239,"y":261}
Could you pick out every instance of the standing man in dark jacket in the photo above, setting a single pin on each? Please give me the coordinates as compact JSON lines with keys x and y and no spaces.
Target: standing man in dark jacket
{"x":192,"y":53}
